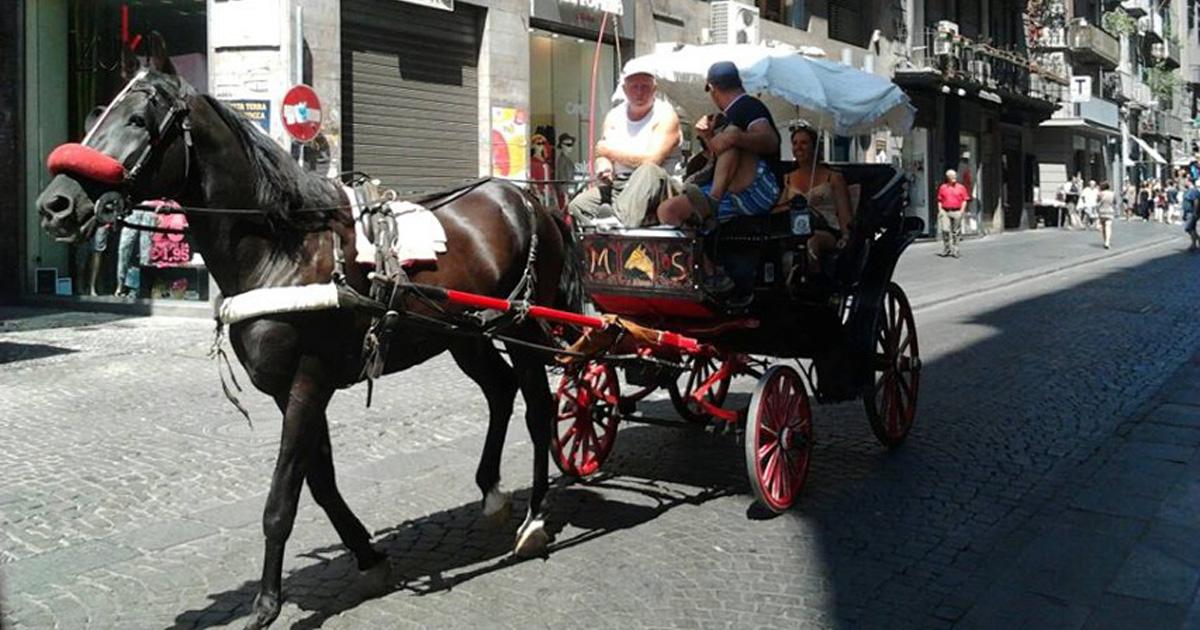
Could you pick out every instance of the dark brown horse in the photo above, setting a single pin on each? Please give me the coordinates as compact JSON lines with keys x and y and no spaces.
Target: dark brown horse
{"x":160,"y":139}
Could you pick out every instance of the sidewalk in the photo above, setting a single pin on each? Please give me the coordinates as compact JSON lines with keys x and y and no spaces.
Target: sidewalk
{"x":1003,"y":259}
{"x":1121,"y":547}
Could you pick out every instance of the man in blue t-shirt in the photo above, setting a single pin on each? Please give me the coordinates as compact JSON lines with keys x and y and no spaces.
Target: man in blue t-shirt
{"x":745,"y":179}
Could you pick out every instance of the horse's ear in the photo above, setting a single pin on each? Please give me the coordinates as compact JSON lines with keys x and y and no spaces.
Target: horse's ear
{"x":129,"y":63}
{"x":159,"y":60}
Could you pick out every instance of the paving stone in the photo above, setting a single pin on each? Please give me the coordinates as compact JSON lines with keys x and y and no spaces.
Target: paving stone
{"x":1152,"y":574}
{"x":1118,"y":612}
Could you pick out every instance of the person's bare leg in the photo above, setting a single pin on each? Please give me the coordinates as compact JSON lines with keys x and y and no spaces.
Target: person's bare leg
{"x":675,"y":211}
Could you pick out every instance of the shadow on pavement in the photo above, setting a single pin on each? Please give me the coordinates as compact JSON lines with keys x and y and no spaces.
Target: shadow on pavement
{"x":12,"y":352}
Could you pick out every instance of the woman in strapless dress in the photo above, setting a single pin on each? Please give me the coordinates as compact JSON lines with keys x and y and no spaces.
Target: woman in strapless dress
{"x":826,"y":191}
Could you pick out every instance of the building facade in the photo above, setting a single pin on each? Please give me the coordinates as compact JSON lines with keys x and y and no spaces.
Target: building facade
{"x":418,"y":93}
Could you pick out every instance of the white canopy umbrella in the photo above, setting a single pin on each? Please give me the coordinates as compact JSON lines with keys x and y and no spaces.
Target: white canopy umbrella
{"x":830,"y":96}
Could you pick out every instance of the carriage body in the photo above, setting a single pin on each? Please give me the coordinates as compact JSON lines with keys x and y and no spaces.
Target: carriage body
{"x":850,"y":323}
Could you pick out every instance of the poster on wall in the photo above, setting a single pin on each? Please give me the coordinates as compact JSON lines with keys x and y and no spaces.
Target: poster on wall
{"x":257,"y":111}
{"x":509,"y":144}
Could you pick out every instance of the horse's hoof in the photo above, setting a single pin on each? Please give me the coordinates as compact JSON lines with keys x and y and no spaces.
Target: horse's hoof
{"x":532,"y":539}
{"x":265,"y":611}
{"x":497,"y":507}
{"x":376,"y":580}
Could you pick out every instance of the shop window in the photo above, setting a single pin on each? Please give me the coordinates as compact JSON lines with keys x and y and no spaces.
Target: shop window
{"x":847,"y":22}
{"x":560,"y":104}
{"x":794,"y":13}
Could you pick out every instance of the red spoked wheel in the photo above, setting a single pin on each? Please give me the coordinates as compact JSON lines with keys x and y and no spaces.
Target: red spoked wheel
{"x":700,"y":369}
{"x":586,"y":425}
{"x":778,"y":438}
{"x":891,"y":404}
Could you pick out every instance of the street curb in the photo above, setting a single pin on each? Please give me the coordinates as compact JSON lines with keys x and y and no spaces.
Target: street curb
{"x":1024,"y":276}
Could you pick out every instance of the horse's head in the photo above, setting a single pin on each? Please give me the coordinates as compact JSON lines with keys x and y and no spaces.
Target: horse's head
{"x":137,"y":148}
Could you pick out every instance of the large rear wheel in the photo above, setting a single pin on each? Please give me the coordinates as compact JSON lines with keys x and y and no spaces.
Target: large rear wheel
{"x":891,"y":403}
{"x":778,"y":438}
{"x":586,"y":425}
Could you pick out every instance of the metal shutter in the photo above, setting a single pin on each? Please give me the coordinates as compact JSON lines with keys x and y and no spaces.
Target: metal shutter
{"x":410,"y":86}
{"x":846,"y":22}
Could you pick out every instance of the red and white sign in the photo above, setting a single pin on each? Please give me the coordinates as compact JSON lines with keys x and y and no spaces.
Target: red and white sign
{"x":301,"y":113}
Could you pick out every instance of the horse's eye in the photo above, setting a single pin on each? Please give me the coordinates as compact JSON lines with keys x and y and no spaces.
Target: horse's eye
{"x":137,"y":120}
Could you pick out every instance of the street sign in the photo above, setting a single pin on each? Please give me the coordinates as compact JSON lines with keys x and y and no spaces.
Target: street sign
{"x":301,"y":113}
{"x":1081,"y":89}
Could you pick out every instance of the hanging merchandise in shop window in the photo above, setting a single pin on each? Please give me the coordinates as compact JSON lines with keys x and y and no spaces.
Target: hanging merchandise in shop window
{"x":608,"y":6}
{"x":586,"y":16}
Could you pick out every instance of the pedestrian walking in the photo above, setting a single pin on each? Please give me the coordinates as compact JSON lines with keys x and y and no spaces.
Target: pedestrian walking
{"x":951,"y":199}
{"x":1174,"y":209}
{"x":1191,"y":211}
{"x":1087,"y":204}
{"x":1070,"y":197}
{"x":1106,"y":210}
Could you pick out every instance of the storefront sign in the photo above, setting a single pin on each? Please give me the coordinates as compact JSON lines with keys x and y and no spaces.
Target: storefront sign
{"x":1081,"y":89}
{"x":587,"y":15}
{"x":302,"y":113}
{"x":255,"y":110}
{"x":445,"y":5}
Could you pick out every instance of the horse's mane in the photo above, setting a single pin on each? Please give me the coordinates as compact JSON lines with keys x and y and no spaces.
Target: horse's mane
{"x":281,"y":187}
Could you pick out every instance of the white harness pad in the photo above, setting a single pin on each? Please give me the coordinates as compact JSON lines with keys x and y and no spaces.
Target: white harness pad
{"x":310,"y":297}
{"x":420,"y":237}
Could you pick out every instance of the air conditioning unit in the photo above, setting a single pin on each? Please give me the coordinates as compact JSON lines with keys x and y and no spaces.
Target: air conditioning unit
{"x":734,"y":23}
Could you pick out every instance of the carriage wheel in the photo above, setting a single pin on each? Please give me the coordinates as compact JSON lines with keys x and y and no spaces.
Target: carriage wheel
{"x":778,"y":438}
{"x":586,"y":425}
{"x":700,"y":369}
{"x":891,"y":403}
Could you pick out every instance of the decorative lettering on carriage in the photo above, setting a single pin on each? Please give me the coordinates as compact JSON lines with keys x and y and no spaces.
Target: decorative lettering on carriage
{"x":680,"y":271}
{"x":599,"y":258}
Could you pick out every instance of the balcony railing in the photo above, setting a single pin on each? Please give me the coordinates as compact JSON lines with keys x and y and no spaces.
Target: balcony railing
{"x":1160,"y":124}
{"x":1151,"y":27}
{"x":1097,"y":111}
{"x":1050,"y":38}
{"x":960,"y":60}
{"x":1134,"y":90}
{"x":1091,"y":44}
{"x":1137,"y":8}
{"x":1167,"y":52}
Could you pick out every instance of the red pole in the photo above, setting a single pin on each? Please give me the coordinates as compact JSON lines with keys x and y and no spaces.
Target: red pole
{"x":592,"y":100}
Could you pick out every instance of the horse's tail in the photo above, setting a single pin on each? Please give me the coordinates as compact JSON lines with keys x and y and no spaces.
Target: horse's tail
{"x":570,"y":280}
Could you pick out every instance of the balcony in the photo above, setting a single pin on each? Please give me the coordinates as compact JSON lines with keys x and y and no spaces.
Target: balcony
{"x":1160,"y":124}
{"x":1151,"y":28}
{"x":1050,"y":39}
{"x":1137,"y":8}
{"x":951,"y":59}
{"x":1135,"y":92}
{"x":1097,"y":111}
{"x":1167,"y":52}
{"x":1091,"y":44}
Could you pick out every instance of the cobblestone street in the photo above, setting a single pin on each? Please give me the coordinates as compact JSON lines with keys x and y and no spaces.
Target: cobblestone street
{"x":131,"y":492}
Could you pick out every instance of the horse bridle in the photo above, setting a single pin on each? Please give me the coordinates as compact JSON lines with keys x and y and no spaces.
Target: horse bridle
{"x":87,"y":161}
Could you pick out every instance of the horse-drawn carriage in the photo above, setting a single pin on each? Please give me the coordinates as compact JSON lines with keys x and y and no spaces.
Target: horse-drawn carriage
{"x":852,"y":323}
{"x":281,"y":244}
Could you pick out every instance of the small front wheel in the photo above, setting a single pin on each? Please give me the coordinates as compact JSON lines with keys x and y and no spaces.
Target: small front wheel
{"x":778,"y":438}
{"x":700,"y":369}
{"x":585,"y":427}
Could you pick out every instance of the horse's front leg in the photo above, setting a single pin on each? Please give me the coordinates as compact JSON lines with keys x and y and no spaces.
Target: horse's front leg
{"x":304,"y":413}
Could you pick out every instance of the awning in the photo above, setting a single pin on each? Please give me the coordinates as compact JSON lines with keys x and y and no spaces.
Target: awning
{"x":1155,"y":155}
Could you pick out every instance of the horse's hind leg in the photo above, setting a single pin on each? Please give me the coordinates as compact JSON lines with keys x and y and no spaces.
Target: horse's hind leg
{"x":483,"y":364}
{"x":539,"y":412}
{"x":323,"y":485}
{"x":302,"y":420}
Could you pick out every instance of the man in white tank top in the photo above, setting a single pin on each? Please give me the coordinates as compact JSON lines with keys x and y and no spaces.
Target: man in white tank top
{"x":637,"y":151}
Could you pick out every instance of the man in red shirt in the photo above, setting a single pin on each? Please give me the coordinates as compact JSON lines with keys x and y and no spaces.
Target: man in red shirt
{"x":952,"y":200}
